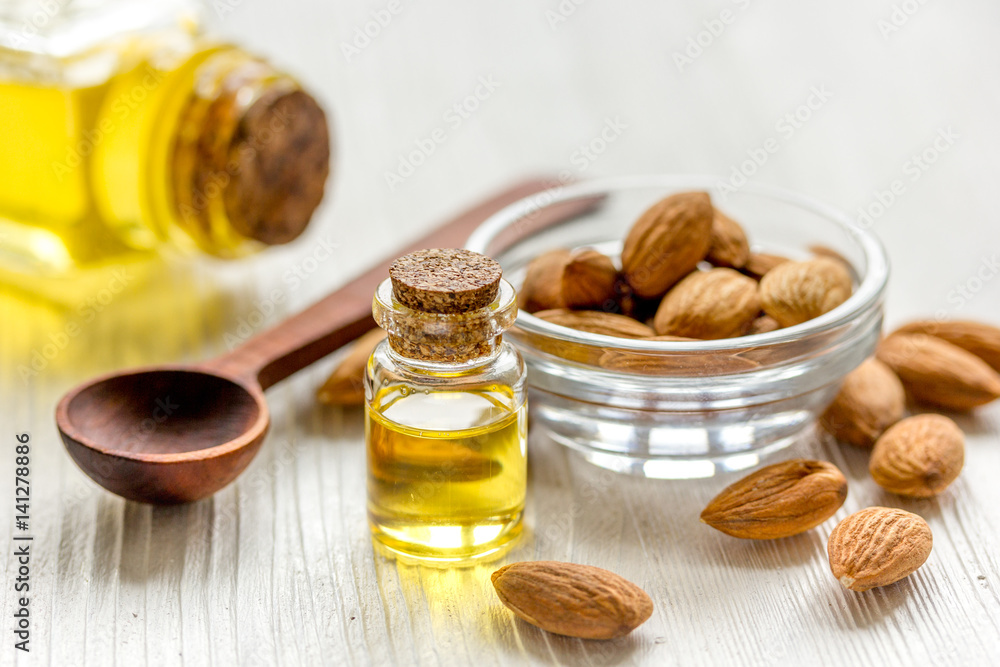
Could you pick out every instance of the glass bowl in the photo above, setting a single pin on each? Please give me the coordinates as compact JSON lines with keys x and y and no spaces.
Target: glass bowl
{"x":687,"y":409}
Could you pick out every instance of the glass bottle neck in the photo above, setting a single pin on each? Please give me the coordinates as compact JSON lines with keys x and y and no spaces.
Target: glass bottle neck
{"x":443,"y":366}
{"x":450,"y":339}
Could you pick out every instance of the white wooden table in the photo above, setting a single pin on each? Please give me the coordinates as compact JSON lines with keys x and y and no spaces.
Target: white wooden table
{"x":278,"y":568}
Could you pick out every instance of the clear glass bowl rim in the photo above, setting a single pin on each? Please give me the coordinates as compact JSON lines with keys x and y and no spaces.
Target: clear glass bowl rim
{"x":866,"y":296}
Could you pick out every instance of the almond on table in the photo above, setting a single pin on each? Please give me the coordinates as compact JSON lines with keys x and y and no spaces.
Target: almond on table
{"x":778,"y":500}
{"x":573,"y":600}
{"x":878,"y":546}
{"x":870,"y":400}
{"x":938,"y":373}
{"x":918,"y":457}
{"x":979,"y":338}
{"x":345,"y":385}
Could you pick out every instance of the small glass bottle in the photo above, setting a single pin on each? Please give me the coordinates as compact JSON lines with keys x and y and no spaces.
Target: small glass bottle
{"x":446,"y":412}
{"x":125,"y":127}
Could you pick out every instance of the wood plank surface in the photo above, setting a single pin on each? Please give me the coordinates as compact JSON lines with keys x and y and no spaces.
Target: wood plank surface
{"x":278,"y":568}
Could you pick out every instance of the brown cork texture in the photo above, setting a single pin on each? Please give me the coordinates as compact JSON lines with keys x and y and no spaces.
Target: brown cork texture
{"x":282,"y":149}
{"x":445,"y":280}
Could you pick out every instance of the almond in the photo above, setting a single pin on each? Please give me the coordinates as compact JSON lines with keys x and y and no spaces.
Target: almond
{"x":542,"y":287}
{"x":683,"y":364}
{"x":878,"y":546}
{"x":719,"y":303}
{"x":779,"y":500}
{"x":918,"y":457}
{"x":982,"y":340}
{"x":758,"y":264}
{"x":828,"y":252}
{"x":728,"y":245}
{"x":345,"y":386}
{"x":763,"y":324}
{"x":938,"y":373}
{"x":591,"y":321}
{"x":794,"y":292}
{"x":870,"y":400}
{"x":573,"y":600}
{"x":588,"y":280}
{"x":667,"y":242}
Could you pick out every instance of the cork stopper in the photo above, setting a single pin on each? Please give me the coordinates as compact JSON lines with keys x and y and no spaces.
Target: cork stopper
{"x":251,"y":156}
{"x":445,"y":306}
{"x":278,"y":183}
{"x":445,"y":280}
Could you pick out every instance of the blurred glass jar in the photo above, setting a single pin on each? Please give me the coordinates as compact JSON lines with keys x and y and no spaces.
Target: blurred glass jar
{"x":125,"y":128}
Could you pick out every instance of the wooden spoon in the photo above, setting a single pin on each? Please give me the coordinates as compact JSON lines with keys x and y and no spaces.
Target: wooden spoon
{"x":177,"y":433}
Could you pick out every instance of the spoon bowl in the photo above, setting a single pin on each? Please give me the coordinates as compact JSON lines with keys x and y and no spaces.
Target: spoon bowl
{"x":163,"y":435}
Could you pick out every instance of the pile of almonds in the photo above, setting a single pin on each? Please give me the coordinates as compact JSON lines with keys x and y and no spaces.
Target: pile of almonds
{"x":687,"y":273}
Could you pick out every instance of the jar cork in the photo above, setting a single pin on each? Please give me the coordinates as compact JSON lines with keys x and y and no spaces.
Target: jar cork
{"x":445,"y":305}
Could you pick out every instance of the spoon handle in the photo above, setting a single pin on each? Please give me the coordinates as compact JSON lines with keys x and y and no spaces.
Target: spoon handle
{"x":346,"y":314}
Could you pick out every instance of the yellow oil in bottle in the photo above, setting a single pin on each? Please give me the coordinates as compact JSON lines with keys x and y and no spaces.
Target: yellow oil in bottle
{"x":446,"y":473}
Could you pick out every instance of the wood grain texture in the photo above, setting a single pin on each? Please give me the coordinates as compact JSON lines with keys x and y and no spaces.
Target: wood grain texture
{"x":278,"y":568}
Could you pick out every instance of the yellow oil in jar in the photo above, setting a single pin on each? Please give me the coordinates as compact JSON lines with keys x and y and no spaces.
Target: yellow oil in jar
{"x":446,"y":473}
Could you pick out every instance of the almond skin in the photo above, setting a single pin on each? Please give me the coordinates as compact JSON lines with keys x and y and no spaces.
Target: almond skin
{"x":870,"y":400}
{"x":608,"y":324}
{"x":939,"y":374}
{"x":728,"y":246}
{"x":572,"y":600}
{"x":795,"y":292}
{"x":542,"y":287}
{"x":982,"y":340}
{"x":345,"y":386}
{"x":918,"y":457}
{"x":758,"y":264}
{"x":878,"y":546}
{"x":779,"y":500}
{"x":762,"y":324}
{"x":667,"y":242}
{"x":719,"y":303}
{"x":588,"y":280}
